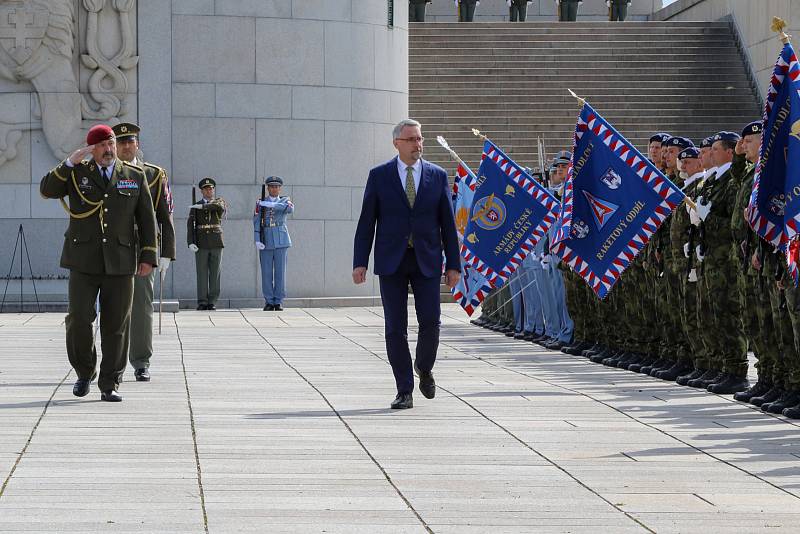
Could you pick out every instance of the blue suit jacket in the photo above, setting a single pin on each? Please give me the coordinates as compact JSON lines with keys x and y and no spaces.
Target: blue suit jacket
{"x":387,"y":217}
{"x":276,"y":234}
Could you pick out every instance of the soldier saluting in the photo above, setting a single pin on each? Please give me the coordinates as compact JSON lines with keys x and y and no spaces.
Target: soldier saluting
{"x":141,"y":334}
{"x":204,"y":235}
{"x":107,"y":200}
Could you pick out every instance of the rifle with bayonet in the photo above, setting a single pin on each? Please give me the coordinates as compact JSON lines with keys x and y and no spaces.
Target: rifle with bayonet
{"x":263,"y":214}
{"x":194,"y":216}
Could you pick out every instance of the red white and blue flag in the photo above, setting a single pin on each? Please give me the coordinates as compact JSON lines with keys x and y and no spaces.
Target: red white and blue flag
{"x":509,"y":213}
{"x":473,"y":286}
{"x":774,"y":209}
{"x":615,"y":199}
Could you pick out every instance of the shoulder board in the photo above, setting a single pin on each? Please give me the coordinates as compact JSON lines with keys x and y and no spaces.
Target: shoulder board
{"x":154,"y":167}
{"x":128,"y":164}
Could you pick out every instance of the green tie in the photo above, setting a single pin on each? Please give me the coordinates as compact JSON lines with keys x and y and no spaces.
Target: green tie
{"x":411,"y":193}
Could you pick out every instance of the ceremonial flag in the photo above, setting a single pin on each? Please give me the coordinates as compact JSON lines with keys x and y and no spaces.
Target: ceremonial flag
{"x":510,"y":212}
{"x":614,"y":201}
{"x":473,"y":286}
{"x":774,"y":209}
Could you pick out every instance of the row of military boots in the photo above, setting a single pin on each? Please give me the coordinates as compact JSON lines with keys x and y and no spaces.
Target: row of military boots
{"x":504,"y":327}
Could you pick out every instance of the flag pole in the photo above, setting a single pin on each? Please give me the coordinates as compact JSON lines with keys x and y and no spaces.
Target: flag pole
{"x":779,"y":27}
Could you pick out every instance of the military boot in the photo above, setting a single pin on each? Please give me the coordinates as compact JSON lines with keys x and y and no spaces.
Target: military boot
{"x":759,"y":388}
{"x":657,"y":368}
{"x":770,"y":396}
{"x":793,"y":412}
{"x":703,"y":381}
{"x":594,"y":349}
{"x":684,"y":380}
{"x":600,"y":356}
{"x":679,"y":369}
{"x":787,"y":400}
{"x":731,"y":384}
{"x":637,"y":359}
{"x":626,"y":358}
{"x":637,"y":367}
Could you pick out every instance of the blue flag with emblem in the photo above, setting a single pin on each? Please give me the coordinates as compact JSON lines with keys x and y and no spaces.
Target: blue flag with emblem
{"x":615,"y":199}
{"x":774,"y":209}
{"x":510,"y":212}
{"x":473,"y":286}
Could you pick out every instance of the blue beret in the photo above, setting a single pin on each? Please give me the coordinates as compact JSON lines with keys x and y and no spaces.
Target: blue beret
{"x":680,"y":142}
{"x":755,"y":127}
{"x":660,"y":137}
{"x":726,"y":136}
{"x":689,"y":153}
{"x":273,"y":180}
{"x":707,"y":142}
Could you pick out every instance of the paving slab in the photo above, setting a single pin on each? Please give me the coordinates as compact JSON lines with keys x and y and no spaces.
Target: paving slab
{"x":279,"y":422}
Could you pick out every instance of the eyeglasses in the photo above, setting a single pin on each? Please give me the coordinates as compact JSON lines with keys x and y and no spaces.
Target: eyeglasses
{"x":412,"y":139}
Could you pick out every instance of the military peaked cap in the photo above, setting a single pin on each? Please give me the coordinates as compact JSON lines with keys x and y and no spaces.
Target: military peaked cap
{"x":124,"y":130}
{"x":207,"y":182}
{"x":273,"y":180}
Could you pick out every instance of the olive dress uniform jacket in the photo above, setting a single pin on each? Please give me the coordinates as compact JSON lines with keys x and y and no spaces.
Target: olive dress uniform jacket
{"x":158,"y":184}
{"x":209,"y":224}
{"x":101,"y":237}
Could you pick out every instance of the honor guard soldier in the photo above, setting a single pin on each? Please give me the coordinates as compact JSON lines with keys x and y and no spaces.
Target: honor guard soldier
{"x":204,"y":235}
{"x":272,"y":241}
{"x":111,"y":237}
{"x":141,"y":334}
{"x":568,"y":10}
{"x":617,"y":10}
{"x":416,"y":10}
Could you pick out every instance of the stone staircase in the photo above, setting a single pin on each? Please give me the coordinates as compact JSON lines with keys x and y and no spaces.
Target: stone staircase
{"x":510,"y":81}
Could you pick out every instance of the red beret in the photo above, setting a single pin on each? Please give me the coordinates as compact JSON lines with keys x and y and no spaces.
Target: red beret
{"x":98,"y":133}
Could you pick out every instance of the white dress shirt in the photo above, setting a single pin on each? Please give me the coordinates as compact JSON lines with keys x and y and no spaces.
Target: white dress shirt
{"x":417,"y":170}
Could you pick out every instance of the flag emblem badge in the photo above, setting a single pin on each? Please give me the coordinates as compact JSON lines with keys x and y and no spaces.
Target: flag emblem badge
{"x":602,"y":210}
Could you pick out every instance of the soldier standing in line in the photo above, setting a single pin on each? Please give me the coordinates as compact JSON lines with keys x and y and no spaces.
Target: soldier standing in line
{"x":109,"y":207}
{"x":718,"y":309}
{"x":273,"y":242}
{"x":618,"y":9}
{"x":518,"y":10}
{"x":204,"y":235}
{"x":568,"y":10}
{"x":466,"y":9}
{"x":416,"y":10}
{"x":654,"y":149}
{"x":141,"y":334}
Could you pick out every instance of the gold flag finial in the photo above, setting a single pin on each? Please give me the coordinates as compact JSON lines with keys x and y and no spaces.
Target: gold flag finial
{"x":478,"y":133}
{"x":779,"y":26}
{"x":581,"y":101}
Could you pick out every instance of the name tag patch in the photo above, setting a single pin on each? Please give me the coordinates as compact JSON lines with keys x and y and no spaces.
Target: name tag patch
{"x":127,"y":184}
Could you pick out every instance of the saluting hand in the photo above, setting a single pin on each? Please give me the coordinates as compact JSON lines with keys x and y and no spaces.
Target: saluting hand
{"x":77,"y":156}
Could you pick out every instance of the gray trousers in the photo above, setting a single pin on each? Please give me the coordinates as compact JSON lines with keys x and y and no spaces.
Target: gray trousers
{"x":141,"y":337}
{"x":207,"y":261}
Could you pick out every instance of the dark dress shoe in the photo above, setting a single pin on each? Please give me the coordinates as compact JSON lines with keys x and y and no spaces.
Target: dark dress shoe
{"x":512,"y":333}
{"x":427,"y":385}
{"x":787,"y":400}
{"x":731,"y":384}
{"x":81,"y":387}
{"x":770,"y":396}
{"x":202,"y":307}
{"x":684,"y":380}
{"x":576,"y":348}
{"x":211,"y":307}
{"x":528,"y":336}
{"x":759,"y":388}
{"x":519,"y":335}
{"x":554,"y":345}
{"x":403,"y":401}
{"x":704,"y":380}
{"x":142,"y":375}
{"x":110,"y":396}
{"x":793,"y":412}
{"x":277,"y":307}
{"x":268,"y":307}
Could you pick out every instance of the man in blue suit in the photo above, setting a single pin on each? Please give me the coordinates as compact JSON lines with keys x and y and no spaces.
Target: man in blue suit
{"x":273,"y":242}
{"x":407,"y":210}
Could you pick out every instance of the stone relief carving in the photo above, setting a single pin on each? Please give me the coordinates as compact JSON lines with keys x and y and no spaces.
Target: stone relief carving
{"x":36,"y":46}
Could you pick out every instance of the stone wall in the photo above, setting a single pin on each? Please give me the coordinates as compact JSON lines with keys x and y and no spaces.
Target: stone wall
{"x":235,"y":89}
{"x":753,"y":20}
{"x":538,"y":11}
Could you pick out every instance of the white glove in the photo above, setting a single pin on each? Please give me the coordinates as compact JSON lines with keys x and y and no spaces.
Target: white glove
{"x":608,"y":3}
{"x":196,"y":206}
{"x":694,"y":217}
{"x":260,"y":245}
{"x":686,"y":249}
{"x":693,"y":275}
{"x":700,"y":256}
{"x":703,"y":210}
{"x":455,"y":2}
{"x":545,"y":261}
{"x":193,"y":247}
{"x":508,"y":3}
{"x":267,"y":204}
{"x":163,"y":264}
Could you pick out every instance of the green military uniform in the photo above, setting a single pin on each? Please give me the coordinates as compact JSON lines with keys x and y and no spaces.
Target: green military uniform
{"x":719,"y":309}
{"x":141,"y":334}
{"x":102,"y":249}
{"x":416,"y":10}
{"x":204,"y":230}
{"x":618,"y":11}
{"x":568,"y":10}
